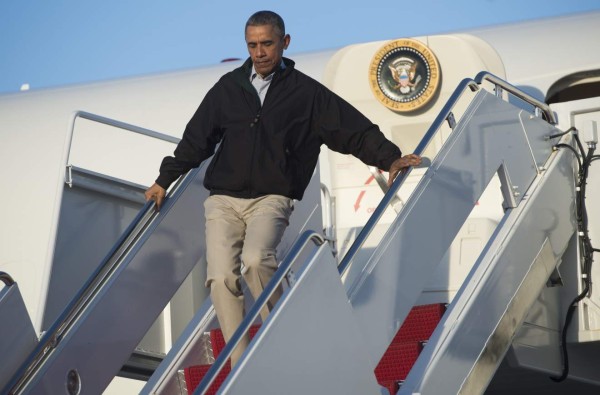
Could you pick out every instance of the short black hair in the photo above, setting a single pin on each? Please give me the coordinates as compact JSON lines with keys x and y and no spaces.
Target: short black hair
{"x":262,"y":18}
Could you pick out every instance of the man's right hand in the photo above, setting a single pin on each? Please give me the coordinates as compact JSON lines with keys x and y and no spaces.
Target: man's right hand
{"x":156,"y":193}
{"x":401,"y":165}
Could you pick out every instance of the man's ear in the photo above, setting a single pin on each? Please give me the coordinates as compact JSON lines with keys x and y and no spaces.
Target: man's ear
{"x":286,"y":41}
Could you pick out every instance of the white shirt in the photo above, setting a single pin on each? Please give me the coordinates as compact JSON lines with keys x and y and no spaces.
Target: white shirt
{"x":261,"y":84}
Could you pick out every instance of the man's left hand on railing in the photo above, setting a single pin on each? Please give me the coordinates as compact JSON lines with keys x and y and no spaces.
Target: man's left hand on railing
{"x":401,"y":165}
{"x":156,"y":193}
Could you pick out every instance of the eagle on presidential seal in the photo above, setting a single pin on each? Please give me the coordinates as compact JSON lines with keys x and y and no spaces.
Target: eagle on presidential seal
{"x":404,"y":73}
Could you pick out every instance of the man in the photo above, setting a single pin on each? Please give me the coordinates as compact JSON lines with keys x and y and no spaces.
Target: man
{"x":270,"y":121}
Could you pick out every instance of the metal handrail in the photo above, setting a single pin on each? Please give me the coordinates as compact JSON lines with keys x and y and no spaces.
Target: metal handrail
{"x":390,"y":195}
{"x":379,"y":178}
{"x":254,"y":312}
{"x":329,"y":218}
{"x":116,"y":124}
{"x":143,"y":216}
{"x":498,"y":82}
{"x":52,"y":337}
{"x":382,"y":182}
{"x":6,"y":279}
{"x":124,"y":126}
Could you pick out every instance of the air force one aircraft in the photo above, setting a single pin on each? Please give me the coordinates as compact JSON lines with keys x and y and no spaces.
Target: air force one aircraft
{"x":471,"y":274}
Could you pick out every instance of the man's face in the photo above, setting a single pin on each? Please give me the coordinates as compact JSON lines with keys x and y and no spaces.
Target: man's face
{"x":265,"y":47}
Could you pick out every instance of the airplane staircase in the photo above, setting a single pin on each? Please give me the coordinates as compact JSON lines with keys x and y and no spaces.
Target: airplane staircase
{"x":327,"y":335}
{"x":99,"y":329}
{"x":391,"y":370}
{"x":94,"y":337}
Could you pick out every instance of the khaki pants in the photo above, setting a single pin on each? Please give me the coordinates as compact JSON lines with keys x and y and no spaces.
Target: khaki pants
{"x":242,"y":231}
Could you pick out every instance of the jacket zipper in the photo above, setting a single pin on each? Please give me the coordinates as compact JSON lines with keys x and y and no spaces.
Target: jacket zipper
{"x":254,"y":129}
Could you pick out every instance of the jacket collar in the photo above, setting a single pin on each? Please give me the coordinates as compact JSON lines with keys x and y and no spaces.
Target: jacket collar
{"x":241,"y":75}
{"x":243,"y":72}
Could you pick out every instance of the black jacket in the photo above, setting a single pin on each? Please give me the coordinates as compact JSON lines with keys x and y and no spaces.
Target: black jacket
{"x":273,"y":148}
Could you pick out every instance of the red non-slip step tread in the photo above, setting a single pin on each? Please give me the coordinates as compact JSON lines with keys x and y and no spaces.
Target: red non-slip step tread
{"x":407,"y":344}
{"x":218,"y":341}
{"x":393,"y":367}
{"x":397,"y":361}
{"x":194,"y":374}
{"x":420,"y":323}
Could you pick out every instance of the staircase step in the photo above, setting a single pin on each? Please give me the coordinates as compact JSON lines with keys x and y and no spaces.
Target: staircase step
{"x":218,"y":341}
{"x":397,"y":362}
{"x":194,"y":374}
{"x":391,"y":370}
{"x":420,"y":323}
{"x":407,"y":344}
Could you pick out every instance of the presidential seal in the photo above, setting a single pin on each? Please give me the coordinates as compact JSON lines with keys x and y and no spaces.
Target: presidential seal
{"x":404,"y":75}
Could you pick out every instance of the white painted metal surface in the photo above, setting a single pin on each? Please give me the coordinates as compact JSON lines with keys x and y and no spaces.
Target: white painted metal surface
{"x":326,"y":357}
{"x":469,"y":344}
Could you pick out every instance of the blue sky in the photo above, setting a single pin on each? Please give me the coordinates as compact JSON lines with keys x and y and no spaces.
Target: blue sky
{"x":51,"y":43}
